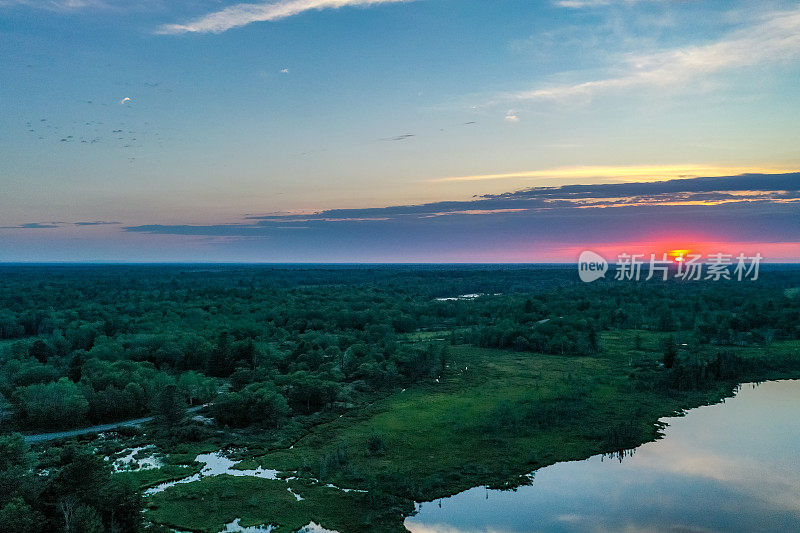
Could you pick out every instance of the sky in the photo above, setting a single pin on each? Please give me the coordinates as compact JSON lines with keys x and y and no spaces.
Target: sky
{"x":397,"y":130}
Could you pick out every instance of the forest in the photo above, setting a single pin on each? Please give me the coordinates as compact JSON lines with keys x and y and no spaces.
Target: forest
{"x":314,"y":369}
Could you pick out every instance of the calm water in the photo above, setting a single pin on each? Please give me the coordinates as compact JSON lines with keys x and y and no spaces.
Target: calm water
{"x":734,"y":466}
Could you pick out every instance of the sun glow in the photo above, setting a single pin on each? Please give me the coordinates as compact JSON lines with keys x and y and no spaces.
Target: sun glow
{"x":678,"y":255}
{"x":625,"y":173}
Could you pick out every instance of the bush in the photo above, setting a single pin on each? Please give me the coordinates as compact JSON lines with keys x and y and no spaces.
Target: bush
{"x":258,"y":404}
{"x":18,"y":516}
{"x":376,"y":445}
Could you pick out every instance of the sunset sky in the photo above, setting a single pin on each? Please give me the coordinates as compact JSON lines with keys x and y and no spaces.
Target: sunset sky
{"x":397,"y":131}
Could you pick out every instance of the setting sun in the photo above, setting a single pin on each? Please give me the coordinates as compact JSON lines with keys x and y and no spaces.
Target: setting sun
{"x":679,"y":255}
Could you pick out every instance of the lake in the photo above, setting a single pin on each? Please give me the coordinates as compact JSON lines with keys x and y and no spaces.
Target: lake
{"x":734,"y":466}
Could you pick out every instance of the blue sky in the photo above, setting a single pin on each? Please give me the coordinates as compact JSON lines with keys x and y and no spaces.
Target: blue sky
{"x":201,"y":114}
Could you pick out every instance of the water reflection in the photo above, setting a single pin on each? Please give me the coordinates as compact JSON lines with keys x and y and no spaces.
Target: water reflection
{"x":728,"y":467}
{"x":215,"y":464}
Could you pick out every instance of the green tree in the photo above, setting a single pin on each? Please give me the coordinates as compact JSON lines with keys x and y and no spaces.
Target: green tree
{"x":40,"y":350}
{"x":86,"y":519}
{"x":76,"y":363}
{"x":53,"y":405}
{"x":16,"y":468}
{"x":308,"y":394}
{"x":670,"y":353}
{"x":6,"y":411}
{"x":168,"y":408}
{"x":197,"y":387}
{"x":17,"y":516}
{"x":591,"y":338}
{"x":258,"y":404}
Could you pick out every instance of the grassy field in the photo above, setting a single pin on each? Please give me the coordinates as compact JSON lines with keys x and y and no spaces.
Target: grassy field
{"x":209,"y":504}
{"x":494,"y":415}
{"x":491,"y":418}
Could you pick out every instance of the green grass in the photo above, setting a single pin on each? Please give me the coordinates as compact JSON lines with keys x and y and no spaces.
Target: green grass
{"x":419,"y":336}
{"x":185,"y":453}
{"x":494,"y":416}
{"x":444,"y":437}
{"x":207,"y":505}
{"x":156,"y":476}
{"x":178,"y":464}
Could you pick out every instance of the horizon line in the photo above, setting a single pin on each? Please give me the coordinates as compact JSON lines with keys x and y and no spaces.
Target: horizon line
{"x":312,"y":263}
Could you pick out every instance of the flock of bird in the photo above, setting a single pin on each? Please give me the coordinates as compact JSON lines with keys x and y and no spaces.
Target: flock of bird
{"x":122,"y":134}
{"x":91,"y":132}
{"x":99,"y":126}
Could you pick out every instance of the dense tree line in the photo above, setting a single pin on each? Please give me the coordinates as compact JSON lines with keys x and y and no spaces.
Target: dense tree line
{"x":96,"y":344}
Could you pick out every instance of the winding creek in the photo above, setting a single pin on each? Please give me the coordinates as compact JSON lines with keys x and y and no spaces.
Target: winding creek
{"x":734,"y":466}
{"x":215,"y":464}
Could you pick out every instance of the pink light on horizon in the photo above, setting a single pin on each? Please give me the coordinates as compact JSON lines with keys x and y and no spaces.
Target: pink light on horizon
{"x":772,"y":252}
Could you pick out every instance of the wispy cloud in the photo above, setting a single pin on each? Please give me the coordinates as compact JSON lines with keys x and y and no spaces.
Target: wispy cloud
{"x":35,"y":225}
{"x":60,"y":224}
{"x":745,"y":189}
{"x":66,"y":5}
{"x":243,"y":14}
{"x":580,"y":4}
{"x":403,"y":137}
{"x":532,"y":223}
{"x":621,"y":173}
{"x":577,"y":4}
{"x":774,"y":38}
